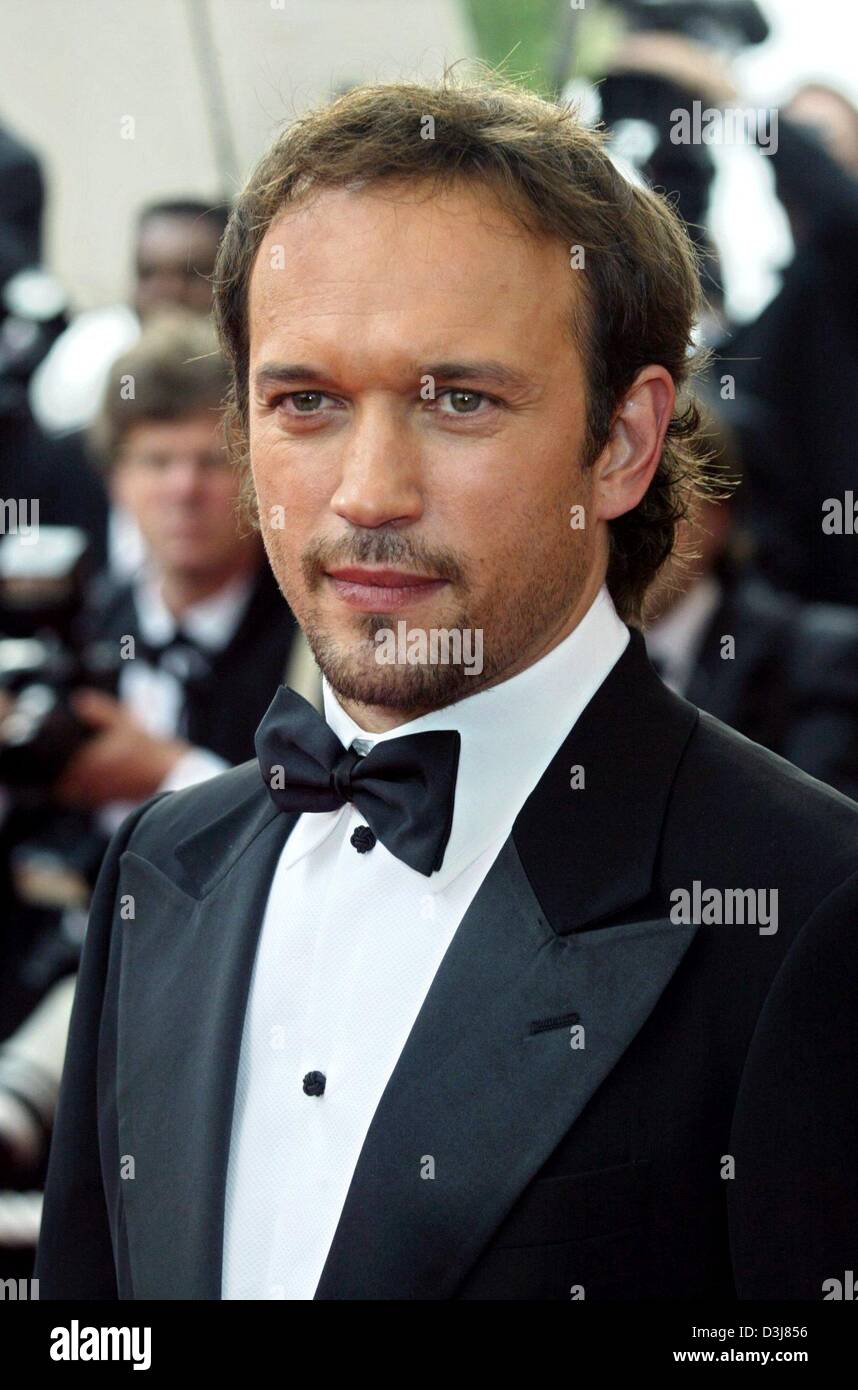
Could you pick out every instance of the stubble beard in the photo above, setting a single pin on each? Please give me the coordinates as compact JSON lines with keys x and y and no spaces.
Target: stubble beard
{"x":512,"y":622}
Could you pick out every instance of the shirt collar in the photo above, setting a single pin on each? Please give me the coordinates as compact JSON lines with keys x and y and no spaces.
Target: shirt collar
{"x":211,"y":622}
{"x":509,"y":732}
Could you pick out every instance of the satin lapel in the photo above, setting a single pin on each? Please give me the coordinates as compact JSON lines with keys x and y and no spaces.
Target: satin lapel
{"x":479,"y":1101}
{"x":589,"y":834}
{"x":186,"y":968}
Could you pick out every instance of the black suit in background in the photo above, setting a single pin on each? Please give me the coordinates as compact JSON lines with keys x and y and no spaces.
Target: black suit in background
{"x":599,"y":1167}
{"x":223,"y":707}
{"x":792,"y":684}
{"x":796,"y":373}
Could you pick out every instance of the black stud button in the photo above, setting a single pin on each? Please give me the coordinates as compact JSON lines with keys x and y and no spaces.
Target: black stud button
{"x":314,"y":1083}
{"x":363,"y":839}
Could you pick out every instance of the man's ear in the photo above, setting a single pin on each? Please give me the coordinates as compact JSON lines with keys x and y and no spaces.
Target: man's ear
{"x":624,"y":469}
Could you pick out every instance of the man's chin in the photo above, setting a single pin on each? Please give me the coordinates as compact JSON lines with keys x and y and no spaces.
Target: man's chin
{"x":355,"y":673}
{"x":413,"y":690}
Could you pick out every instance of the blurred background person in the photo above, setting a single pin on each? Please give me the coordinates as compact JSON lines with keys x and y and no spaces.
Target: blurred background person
{"x":52,"y":474}
{"x":796,"y":366}
{"x":175,"y":246}
{"x":780,"y":670}
{"x":666,"y":55}
{"x":21,"y":207}
{"x":210,"y":632}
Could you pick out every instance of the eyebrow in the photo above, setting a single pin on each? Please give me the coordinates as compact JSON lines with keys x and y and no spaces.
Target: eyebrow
{"x":496,"y":373}
{"x":282,"y":373}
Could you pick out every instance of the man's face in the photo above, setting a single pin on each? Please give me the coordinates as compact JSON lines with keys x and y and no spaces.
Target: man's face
{"x":417,"y":413}
{"x":174,"y":256}
{"x":174,"y":478}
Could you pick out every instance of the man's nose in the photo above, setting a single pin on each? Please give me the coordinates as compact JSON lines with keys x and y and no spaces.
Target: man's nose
{"x":380,"y":474}
{"x":184,"y":478}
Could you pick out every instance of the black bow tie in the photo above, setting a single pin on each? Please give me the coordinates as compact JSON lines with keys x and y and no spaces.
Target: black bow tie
{"x":404,"y":788}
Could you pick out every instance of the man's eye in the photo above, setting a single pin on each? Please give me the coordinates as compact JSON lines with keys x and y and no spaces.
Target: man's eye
{"x":462,"y":402}
{"x":301,"y":402}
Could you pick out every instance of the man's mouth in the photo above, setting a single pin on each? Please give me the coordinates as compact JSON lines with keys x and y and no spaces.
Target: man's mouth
{"x":382,"y":590}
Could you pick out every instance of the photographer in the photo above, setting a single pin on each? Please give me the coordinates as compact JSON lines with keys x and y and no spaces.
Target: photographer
{"x":202,"y":636}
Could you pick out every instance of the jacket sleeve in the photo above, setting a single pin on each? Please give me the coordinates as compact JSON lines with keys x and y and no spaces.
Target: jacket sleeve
{"x":793,"y":1204}
{"x":74,"y":1259}
{"x":809,"y":178}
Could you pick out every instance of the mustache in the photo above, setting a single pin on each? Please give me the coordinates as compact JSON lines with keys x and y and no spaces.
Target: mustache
{"x":380,"y":547}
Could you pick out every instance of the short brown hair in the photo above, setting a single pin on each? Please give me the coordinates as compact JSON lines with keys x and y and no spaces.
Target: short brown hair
{"x":176,"y":369}
{"x":641,"y":286}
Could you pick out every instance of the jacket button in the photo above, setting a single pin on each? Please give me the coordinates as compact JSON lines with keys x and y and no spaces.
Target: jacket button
{"x":314,"y":1083}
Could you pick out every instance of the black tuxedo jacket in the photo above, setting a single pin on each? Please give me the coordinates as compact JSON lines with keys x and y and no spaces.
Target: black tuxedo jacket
{"x":702,"y":1142}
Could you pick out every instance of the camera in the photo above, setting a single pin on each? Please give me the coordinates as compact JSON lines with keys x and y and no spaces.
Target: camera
{"x":46,"y":654}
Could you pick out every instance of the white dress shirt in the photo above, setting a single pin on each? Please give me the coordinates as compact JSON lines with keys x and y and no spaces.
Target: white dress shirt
{"x":348,"y":949}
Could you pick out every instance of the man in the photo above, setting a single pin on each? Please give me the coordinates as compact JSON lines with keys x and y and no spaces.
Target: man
{"x":782,"y":672}
{"x":459,"y":1028}
{"x":175,"y":246}
{"x":175,"y":254}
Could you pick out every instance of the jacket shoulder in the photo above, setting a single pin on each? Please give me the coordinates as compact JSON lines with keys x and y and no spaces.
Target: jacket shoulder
{"x":172,"y":816}
{"x":742,"y":791}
